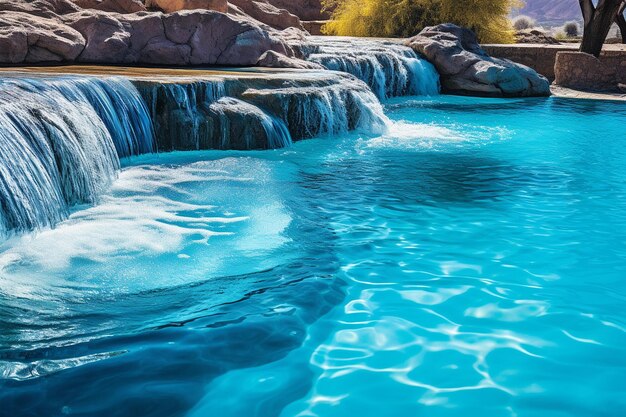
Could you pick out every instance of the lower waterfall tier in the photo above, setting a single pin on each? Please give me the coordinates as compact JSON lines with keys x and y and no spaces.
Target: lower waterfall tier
{"x":62,"y":137}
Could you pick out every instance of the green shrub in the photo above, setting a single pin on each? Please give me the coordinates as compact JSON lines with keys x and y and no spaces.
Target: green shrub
{"x":404,"y":18}
{"x":523,"y":22}
{"x":571,"y":29}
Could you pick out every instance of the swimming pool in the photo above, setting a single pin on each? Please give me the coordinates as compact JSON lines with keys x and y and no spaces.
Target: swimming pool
{"x":471,"y":260}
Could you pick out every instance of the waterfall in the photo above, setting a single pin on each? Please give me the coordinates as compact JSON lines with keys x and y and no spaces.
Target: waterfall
{"x":324,"y":105}
{"x":180,"y":112}
{"x":266,"y":112}
{"x":390,"y":69}
{"x":319,"y":111}
{"x":59,"y":144}
{"x":245,"y":126}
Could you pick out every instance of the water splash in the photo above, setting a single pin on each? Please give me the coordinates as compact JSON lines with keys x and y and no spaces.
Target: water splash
{"x":390,"y":69}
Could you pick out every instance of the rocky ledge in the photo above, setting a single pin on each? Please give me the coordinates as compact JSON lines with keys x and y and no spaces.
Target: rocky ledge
{"x":124,"y":32}
{"x":466,"y":69}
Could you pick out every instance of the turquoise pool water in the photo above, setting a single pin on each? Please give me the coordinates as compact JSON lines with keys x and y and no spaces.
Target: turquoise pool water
{"x":471,"y":261}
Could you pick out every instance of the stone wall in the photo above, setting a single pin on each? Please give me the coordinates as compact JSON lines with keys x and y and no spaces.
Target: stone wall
{"x":314,"y":27}
{"x":541,"y":58}
{"x":582,"y":71}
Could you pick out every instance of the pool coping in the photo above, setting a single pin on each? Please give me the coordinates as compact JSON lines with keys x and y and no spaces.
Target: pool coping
{"x":564,"y":92}
{"x":163,"y":74}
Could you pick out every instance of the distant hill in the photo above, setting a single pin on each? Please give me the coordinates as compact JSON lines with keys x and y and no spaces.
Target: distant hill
{"x":551,"y":11}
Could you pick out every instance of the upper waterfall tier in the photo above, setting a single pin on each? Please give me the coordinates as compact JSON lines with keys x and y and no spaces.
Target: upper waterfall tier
{"x":389,"y":68}
{"x":258,"y":111}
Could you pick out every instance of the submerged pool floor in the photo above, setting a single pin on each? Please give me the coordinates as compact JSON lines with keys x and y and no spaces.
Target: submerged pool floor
{"x":472,"y":261}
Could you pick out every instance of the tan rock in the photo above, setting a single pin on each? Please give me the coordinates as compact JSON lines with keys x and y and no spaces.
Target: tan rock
{"x":117,"y":6}
{"x":170,"y":6}
{"x":266,"y":13}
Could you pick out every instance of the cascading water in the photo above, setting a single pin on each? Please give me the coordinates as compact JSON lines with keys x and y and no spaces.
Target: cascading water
{"x":115,"y":100}
{"x":267,"y":112}
{"x":61,"y":137}
{"x":200,"y":115}
{"x":322,"y":108}
{"x":59,"y":144}
{"x":245,"y":126}
{"x":180,"y":112}
{"x":390,"y":69}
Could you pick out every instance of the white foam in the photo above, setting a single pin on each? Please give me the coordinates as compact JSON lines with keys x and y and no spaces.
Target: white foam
{"x":407,"y":135}
{"x":196,"y":221}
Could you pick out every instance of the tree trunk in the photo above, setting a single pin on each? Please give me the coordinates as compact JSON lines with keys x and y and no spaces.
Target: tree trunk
{"x":598,"y":21}
{"x":621,"y":21}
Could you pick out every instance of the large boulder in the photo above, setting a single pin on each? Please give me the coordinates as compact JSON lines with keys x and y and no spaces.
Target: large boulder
{"x":170,"y":6}
{"x":268,"y":14}
{"x":199,"y":37}
{"x":466,"y":69}
{"x":116,"y":6}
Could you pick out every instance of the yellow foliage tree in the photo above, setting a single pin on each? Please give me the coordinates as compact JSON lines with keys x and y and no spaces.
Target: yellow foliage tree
{"x":404,"y":18}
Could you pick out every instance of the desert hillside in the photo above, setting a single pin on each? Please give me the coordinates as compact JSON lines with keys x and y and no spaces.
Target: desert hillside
{"x":552,"y":11}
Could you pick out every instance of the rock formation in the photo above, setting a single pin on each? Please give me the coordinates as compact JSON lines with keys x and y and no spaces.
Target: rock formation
{"x":59,"y":31}
{"x":466,"y":69}
{"x":39,"y":8}
{"x":124,"y":32}
{"x":116,"y":6}
{"x":535,"y":36}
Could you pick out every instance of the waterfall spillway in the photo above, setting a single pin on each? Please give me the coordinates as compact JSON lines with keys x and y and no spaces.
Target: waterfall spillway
{"x":266,"y":112}
{"x":389,"y":68}
{"x":59,"y":144}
